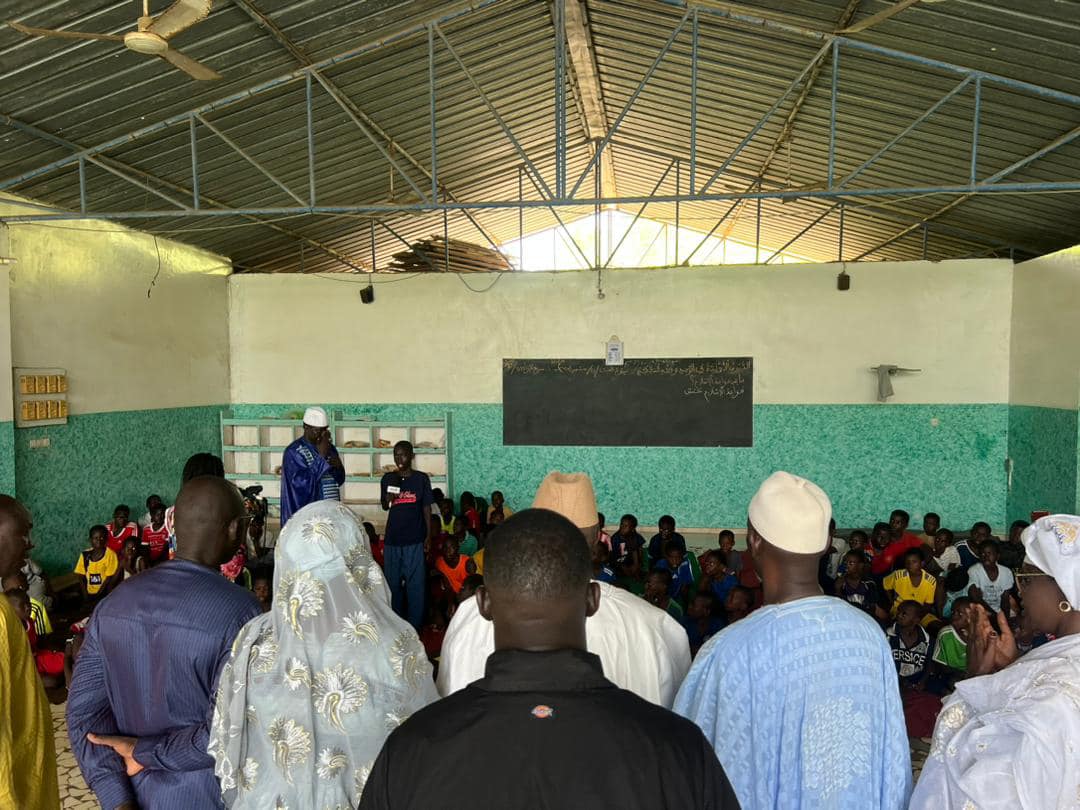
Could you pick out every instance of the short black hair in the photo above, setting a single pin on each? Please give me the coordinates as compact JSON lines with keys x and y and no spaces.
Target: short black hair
{"x":202,"y":464}
{"x":17,"y":593}
{"x":991,"y":543}
{"x":673,"y":545}
{"x":956,"y":580}
{"x":404,"y":444}
{"x":860,"y":533}
{"x":1019,"y":524}
{"x":123,"y":507}
{"x":980,"y":524}
{"x":707,"y":595}
{"x":666,"y":519}
{"x":900,"y":513}
{"x":725,"y":533}
{"x":747,"y":592}
{"x":947,"y":532}
{"x":497,"y":492}
{"x":538,"y":555}
{"x":933,"y":515}
{"x":916,"y":552}
{"x":472,"y":581}
{"x":881,"y":527}
{"x":631,"y":518}
{"x":959,"y":602}
{"x":910,"y":603}
{"x":152,"y":498}
{"x":858,"y":555}
{"x":664,"y":574}
{"x":436,"y":494}
{"x":98,"y":529}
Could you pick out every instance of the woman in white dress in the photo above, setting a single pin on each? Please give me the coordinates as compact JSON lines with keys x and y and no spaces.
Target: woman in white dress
{"x":1010,"y":738}
{"x":313,"y":688}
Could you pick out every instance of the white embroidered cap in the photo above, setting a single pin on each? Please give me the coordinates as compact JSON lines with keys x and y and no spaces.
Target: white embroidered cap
{"x":316,"y":417}
{"x":792,"y":513}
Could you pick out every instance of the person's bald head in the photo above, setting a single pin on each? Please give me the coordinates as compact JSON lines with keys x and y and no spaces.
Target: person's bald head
{"x":209,"y":521}
{"x":15,"y":525}
{"x":537,"y":589}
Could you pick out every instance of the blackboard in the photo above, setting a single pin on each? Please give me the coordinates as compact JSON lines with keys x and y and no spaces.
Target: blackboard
{"x":663,"y":402}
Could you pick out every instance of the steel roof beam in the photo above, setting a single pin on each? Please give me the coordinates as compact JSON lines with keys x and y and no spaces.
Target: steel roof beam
{"x":302,"y":58}
{"x":593,"y":110}
{"x":991,"y":183}
{"x":118,"y":167}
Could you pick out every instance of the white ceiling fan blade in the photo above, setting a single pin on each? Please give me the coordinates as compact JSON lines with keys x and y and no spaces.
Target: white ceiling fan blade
{"x":196,"y":70}
{"x":46,"y":32}
{"x":180,"y":15}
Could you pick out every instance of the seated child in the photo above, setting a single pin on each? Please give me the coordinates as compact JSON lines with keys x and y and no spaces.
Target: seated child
{"x":682,"y":577}
{"x":50,"y":663}
{"x":727,"y":546}
{"x":262,"y":585}
{"x":602,"y":537}
{"x":98,"y":566}
{"x":700,"y":621}
{"x":946,"y":557}
{"x":857,"y":541}
{"x":955,"y":585}
{"x":989,"y":581}
{"x":38,"y":614}
{"x":496,"y":519}
{"x":468,"y":588}
{"x":856,"y":588}
{"x":910,"y":645}
{"x":658,"y":592}
{"x":498,"y":504}
{"x":665,"y":533}
{"x":121,"y":529}
{"x":466,"y":542}
{"x":602,"y":571}
{"x":155,"y":536}
{"x":152,"y":503}
{"x":626,"y":548}
{"x":375,"y":543}
{"x":469,"y":512}
{"x":949,"y":661}
{"x":446,"y":516}
{"x":912,"y":584}
{"x":717,"y":575}
{"x":433,"y":632}
{"x":454,"y":567}
{"x":739,"y":603}
{"x":132,"y":561}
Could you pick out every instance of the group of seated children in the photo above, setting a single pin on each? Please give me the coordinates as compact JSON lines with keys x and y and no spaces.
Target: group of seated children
{"x":923,"y":590}
{"x":121,"y":548}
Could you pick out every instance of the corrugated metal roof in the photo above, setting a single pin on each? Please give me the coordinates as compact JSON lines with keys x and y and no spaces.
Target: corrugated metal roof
{"x":90,"y":92}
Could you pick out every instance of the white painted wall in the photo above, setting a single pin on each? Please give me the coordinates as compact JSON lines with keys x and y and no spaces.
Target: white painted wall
{"x":429,"y":339}
{"x":1045,"y":350}
{"x":78,"y":301}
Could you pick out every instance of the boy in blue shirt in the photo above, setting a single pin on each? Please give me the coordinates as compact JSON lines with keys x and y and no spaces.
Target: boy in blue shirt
{"x":682,"y":578}
{"x":602,"y":570}
{"x":700,"y":621}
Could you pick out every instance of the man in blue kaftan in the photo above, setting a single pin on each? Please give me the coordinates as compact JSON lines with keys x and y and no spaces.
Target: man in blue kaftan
{"x":800,"y":699}
{"x":311,"y":469}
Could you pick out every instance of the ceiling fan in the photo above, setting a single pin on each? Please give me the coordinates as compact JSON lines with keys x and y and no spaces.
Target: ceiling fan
{"x":153,"y":35}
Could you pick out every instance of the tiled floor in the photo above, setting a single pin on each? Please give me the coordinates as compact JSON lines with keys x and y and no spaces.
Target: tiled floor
{"x":74,"y":794}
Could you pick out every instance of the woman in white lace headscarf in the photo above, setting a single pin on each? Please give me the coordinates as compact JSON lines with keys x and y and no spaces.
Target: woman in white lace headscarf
{"x":1011,"y":738}
{"x":313,"y":688}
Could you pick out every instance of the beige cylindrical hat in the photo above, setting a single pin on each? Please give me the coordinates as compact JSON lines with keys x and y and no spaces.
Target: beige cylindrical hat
{"x":792,"y":513}
{"x":569,"y":494}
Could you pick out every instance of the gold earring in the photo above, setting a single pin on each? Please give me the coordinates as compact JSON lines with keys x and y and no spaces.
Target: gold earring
{"x":1064,"y":606}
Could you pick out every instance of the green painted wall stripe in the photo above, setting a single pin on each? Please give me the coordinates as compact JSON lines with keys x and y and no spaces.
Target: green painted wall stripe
{"x":1043,"y":448}
{"x":869,"y":458}
{"x":97,"y":461}
{"x":7,"y":458}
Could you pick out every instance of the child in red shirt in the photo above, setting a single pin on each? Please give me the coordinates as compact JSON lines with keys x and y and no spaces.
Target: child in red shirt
{"x":121,"y":529}
{"x":155,"y":536}
{"x":50,"y":663}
